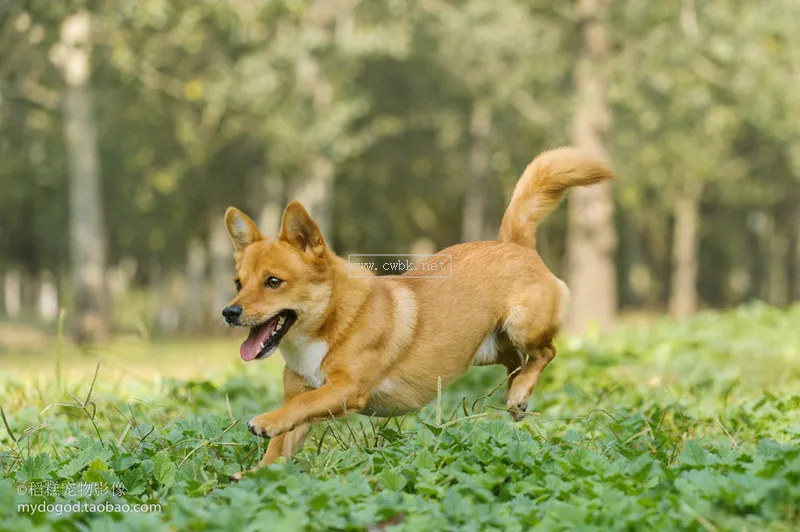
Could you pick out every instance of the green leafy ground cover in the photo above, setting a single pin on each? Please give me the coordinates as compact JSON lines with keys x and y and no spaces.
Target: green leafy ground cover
{"x":657,"y":426}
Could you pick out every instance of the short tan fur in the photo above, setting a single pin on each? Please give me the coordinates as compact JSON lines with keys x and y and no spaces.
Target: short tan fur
{"x":379,"y":346}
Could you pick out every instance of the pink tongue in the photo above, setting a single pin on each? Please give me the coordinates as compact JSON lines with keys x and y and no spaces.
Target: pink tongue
{"x":252,"y":346}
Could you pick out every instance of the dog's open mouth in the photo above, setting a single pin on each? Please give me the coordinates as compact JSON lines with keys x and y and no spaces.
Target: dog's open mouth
{"x":264,"y":339}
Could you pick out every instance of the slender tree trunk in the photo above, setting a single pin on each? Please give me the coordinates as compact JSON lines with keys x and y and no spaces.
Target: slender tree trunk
{"x":48,"y":297}
{"x":796,"y":260}
{"x":221,"y":268}
{"x":195,"y":286}
{"x":316,"y":194}
{"x":473,"y":221}
{"x":591,"y":241}
{"x":87,"y":229}
{"x":777,"y":265}
{"x":269,"y":218}
{"x":685,"y":245}
{"x":12,"y":293}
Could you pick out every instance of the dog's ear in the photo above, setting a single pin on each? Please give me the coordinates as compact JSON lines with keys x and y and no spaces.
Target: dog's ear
{"x":299,"y":230}
{"x":242,"y":229}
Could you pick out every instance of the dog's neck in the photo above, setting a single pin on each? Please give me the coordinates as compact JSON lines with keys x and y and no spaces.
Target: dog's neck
{"x":348,"y":297}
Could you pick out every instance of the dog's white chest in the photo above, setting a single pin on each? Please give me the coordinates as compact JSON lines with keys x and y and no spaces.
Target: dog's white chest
{"x":304,"y":357}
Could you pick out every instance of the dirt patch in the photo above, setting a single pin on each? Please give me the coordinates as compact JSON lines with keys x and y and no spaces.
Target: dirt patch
{"x":19,"y":337}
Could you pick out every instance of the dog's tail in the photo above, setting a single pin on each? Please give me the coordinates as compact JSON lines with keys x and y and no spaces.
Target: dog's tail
{"x":542,"y":186}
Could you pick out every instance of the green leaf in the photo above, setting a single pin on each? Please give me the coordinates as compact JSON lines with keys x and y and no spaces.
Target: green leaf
{"x":393,"y":480}
{"x":693,"y":454}
{"x":134,"y":481}
{"x":35,"y":468}
{"x":164,"y":469}
{"x":425,"y":460}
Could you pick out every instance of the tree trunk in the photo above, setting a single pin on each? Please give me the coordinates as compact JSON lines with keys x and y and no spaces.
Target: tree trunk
{"x":48,"y":297}
{"x":87,"y":239}
{"x":777,"y":265}
{"x":195,"y":286}
{"x":796,"y":260}
{"x":12,"y":293}
{"x":221,"y":268}
{"x":591,"y":240}
{"x":685,"y":244}
{"x":316,"y":191}
{"x":269,"y":218}
{"x":316,"y":194}
{"x":473,"y":221}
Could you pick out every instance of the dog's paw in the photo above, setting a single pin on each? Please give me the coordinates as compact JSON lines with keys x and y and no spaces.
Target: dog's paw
{"x":517,"y":411}
{"x":268,"y":425}
{"x":236,"y":477}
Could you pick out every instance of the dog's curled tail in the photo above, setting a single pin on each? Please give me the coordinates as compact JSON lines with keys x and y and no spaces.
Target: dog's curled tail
{"x":542,"y":186}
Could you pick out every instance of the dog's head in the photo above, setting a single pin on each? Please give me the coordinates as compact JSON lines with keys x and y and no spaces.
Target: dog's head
{"x":283,"y":284}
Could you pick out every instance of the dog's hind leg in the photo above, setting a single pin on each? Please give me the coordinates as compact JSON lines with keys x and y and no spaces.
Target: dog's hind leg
{"x":520,"y":389}
{"x":513,"y":360}
{"x":531,"y":325}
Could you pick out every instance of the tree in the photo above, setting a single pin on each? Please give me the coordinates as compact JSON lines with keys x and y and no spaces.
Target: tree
{"x":486,"y":47}
{"x":591,"y":240}
{"x":87,"y":229}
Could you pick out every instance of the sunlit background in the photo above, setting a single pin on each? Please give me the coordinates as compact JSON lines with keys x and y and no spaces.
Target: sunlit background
{"x":126,"y":129}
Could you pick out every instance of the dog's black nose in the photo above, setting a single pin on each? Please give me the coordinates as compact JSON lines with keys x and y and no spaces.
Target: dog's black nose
{"x":232,"y":313}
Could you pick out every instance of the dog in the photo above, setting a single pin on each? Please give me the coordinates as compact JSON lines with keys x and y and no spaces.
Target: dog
{"x":379,"y":346}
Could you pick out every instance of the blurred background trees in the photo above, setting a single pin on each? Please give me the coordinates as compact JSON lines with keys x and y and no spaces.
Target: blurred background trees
{"x":126,"y":128}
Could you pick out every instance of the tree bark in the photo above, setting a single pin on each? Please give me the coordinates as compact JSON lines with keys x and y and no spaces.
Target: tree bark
{"x":796,"y":259}
{"x":685,"y":245}
{"x":777,"y":264}
{"x":269,"y":218}
{"x":12,"y":293}
{"x":87,"y":229}
{"x":316,"y":194}
{"x":47,"y":297}
{"x":221,"y":268}
{"x":473,"y":221}
{"x":591,"y":240}
{"x":195,"y":286}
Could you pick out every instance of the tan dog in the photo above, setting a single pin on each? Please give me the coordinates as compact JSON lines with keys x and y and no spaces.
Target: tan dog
{"x":378,"y":346}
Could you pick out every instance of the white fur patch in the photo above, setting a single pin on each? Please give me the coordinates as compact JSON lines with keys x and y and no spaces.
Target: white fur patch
{"x":487,"y":351}
{"x":405,"y":318}
{"x":304,"y":357}
{"x":387,"y":386}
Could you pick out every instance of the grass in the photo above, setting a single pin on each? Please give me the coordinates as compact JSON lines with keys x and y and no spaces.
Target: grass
{"x":690,"y":426}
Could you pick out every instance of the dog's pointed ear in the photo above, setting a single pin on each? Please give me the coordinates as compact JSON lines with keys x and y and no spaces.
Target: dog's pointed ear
{"x":299,"y":230}
{"x":242,"y":229}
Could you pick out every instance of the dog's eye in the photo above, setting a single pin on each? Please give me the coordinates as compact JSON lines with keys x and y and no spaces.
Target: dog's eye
{"x":238,"y":285}
{"x":273,"y":282}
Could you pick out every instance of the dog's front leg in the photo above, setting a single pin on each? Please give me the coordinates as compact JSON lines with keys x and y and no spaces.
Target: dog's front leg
{"x":290,"y":442}
{"x":340,"y":395}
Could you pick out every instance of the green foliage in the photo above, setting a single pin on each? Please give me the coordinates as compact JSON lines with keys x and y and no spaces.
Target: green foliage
{"x":666,"y":426}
